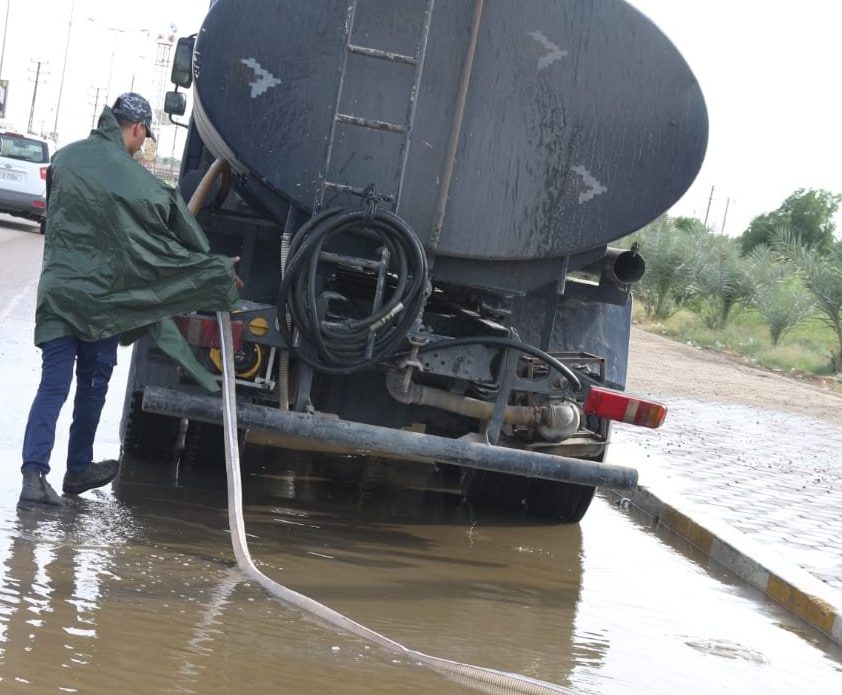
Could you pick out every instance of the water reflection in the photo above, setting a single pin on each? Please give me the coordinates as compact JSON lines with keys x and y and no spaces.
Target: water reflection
{"x":134,"y":591}
{"x":398,"y":550}
{"x":106,"y":597}
{"x":54,"y":571}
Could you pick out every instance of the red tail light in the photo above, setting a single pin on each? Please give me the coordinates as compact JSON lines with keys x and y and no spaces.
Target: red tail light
{"x":44,"y":173}
{"x":622,"y":407}
{"x":204,"y":331}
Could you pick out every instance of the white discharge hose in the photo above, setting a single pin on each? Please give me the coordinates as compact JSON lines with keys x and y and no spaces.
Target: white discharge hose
{"x":485,"y":679}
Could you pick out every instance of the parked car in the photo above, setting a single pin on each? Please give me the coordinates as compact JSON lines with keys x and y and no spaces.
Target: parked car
{"x":24,"y":160}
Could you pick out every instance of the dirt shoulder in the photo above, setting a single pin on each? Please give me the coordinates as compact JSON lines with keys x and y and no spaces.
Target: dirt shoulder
{"x":662,"y":367}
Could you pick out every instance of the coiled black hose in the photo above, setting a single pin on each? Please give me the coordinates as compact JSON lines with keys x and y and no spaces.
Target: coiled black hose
{"x":341,"y":346}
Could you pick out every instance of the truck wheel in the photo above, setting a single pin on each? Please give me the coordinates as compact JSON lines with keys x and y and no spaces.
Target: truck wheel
{"x":204,"y":446}
{"x":495,"y":490}
{"x":545,"y":499}
{"x":148,"y":435}
{"x":565,"y":502}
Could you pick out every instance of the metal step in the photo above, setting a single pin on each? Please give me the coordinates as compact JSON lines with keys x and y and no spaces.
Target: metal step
{"x":383,"y":55}
{"x":371,"y":123}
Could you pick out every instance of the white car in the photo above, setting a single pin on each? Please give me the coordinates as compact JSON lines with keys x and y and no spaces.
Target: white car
{"x":24,"y":160}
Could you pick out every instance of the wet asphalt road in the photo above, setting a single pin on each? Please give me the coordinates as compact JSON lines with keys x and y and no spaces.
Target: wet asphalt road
{"x":132,"y":589}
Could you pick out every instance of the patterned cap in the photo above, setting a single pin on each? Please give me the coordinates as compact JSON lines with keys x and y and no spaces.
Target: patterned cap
{"x":133,"y":107}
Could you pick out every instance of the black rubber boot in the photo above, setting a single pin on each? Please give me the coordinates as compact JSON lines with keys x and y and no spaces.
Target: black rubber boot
{"x":36,"y":490}
{"x":95,"y":475}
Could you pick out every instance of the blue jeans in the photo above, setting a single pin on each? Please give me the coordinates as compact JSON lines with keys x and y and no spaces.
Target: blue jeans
{"x":94,"y":363}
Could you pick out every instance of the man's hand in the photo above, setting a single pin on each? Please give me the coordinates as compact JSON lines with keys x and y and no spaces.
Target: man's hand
{"x":237,"y":280}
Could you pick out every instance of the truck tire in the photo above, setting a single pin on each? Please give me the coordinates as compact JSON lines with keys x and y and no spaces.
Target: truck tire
{"x":148,"y":435}
{"x":565,"y":502}
{"x":204,"y":446}
{"x":544,"y":499}
{"x":491,"y":490}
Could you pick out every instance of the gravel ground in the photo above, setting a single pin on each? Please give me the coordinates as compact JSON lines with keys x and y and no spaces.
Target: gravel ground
{"x":660,"y":366}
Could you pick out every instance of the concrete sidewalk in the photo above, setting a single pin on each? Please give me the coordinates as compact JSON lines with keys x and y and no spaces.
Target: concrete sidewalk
{"x":759,"y":492}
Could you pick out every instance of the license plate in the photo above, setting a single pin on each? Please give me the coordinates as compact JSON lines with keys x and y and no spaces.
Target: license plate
{"x":11,"y":176}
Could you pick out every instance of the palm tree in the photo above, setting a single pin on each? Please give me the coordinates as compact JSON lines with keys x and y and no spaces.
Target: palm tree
{"x":720,"y":281}
{"x":777,"y":291}
{"x":822,"y":275}
{"x":668,"y":275}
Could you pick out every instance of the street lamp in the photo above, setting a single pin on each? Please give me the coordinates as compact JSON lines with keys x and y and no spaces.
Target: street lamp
{"x":114,"y":30}
{"x":63,"y":70}
{"x":117,"y":31}
{"x":111,"y":65}
{"x":5,"y":28}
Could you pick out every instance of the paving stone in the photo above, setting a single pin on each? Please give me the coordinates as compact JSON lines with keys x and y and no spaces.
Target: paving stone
{"x":775,"y":477}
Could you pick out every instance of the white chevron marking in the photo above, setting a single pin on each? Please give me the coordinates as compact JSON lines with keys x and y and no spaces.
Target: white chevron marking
{"x":265,"y":79}
{"x":595,"y":188}
{"x":553,"y":54}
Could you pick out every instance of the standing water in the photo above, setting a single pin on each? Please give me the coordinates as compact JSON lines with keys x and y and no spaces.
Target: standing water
{"x":134,"y":588}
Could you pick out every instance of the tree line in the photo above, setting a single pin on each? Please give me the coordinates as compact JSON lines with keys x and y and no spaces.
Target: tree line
{"x":787,"y":265}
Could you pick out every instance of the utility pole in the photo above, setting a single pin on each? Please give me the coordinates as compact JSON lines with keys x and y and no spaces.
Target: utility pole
{"x":707,"y":212}
{"x":38,"y":64}
{"x":114,"y":31}
{"x":725,"y":216}
{"x":96,"y":107}
{"x":4,"y":84}
{"x":162,"y":66}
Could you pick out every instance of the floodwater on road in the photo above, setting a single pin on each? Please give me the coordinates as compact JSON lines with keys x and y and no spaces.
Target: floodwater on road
{"x":133,"y":589}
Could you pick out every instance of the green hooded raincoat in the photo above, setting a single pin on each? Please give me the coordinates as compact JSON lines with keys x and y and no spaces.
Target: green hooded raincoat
{"x":122,"y":252}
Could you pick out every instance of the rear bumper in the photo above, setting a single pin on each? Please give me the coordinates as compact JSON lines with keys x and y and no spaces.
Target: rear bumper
{"x":33,"y":207}
{"x":331,"y":433}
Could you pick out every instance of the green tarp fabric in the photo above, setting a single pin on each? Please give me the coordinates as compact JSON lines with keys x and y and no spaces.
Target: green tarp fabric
{"x":122,"y":252}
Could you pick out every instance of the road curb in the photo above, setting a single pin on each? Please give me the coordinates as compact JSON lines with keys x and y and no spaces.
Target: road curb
{"x":798,"y":591}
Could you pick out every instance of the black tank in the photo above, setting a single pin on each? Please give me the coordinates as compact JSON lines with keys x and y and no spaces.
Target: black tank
{"x":581,"y":121}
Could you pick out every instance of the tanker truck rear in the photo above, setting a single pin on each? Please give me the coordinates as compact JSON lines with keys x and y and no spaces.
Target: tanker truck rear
{"x":422,"y":195}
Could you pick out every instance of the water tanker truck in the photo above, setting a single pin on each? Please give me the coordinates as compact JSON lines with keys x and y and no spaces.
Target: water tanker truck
{"x":423,"y":195}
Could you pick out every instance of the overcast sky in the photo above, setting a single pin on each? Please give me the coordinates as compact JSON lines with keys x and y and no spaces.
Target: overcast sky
{"x":770,"y":73}
{"x":113,"y":47}
{"x":769,"y":69}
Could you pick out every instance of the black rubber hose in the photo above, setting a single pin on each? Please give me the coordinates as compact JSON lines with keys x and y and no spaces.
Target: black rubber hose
{"x":497,"y":341}
{"x":338,"y":345}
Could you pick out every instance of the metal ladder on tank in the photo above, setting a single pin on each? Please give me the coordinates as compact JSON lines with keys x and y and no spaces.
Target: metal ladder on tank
{"x":404,"y":129}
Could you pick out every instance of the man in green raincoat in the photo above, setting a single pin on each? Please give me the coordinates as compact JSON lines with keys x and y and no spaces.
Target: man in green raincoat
{"x":122,"y":254}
